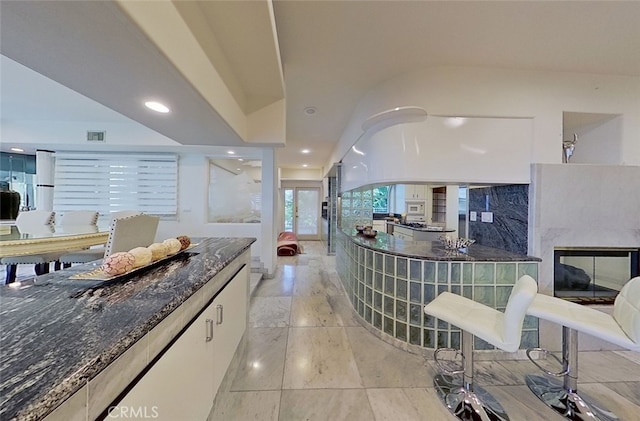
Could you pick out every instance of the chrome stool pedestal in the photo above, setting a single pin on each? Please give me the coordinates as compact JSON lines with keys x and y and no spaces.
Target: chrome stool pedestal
{"x":463,"y":399}
{"x":563,"y":397}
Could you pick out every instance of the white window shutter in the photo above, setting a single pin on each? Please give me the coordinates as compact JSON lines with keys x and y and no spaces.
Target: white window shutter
{"x":114,"y":182}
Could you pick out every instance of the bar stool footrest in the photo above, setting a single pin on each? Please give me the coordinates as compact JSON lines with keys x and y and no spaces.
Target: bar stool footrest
{"x":566,"y":402}
{"x":465,"y":404}
{"x":444,"y":368}
{"x":547,"y":353}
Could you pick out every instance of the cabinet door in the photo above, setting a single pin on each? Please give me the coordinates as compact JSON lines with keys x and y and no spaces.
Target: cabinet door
{"x":230,"y":323}
{"x":402,"y":234}
{"x":179,"y":386}
{"x":409,"y":191}
{"x":379,"y":226}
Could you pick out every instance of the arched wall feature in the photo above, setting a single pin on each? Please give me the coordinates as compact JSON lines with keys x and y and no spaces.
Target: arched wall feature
{"x":494,"y":92}
{"x":442,"y":149}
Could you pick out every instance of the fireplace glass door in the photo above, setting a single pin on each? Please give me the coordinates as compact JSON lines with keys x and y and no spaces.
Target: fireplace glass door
{"x":593,"y":276}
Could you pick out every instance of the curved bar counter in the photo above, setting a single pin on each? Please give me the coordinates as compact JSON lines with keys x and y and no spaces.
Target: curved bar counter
{"x":389,"y":281}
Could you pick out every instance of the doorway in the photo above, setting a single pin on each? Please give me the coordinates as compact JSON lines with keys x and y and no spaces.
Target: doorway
{"x":302,"y":212}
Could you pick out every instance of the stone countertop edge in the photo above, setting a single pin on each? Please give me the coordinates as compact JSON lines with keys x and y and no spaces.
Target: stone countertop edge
{"x":434,"y":250}
{"x":151,"y":296}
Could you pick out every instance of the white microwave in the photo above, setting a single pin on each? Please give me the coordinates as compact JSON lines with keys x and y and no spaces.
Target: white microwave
{"x":415,"y":208}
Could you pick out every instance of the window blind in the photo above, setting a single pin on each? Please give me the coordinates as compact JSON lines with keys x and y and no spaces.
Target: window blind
{"x":114,"y":182}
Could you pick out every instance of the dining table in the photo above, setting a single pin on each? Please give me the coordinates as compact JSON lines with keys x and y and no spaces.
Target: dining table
{"x":50,"y":238}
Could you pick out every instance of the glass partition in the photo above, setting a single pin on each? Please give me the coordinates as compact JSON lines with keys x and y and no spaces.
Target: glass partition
{"x":17,"y":173}
{"x":235,"y":194}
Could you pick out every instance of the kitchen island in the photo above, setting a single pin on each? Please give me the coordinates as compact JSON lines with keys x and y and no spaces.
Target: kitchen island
{"x":389,"y":280}
{"x":74,"y":349}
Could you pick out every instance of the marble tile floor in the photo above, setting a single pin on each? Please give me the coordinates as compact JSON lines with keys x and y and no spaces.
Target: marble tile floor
{"x":305,"y":356}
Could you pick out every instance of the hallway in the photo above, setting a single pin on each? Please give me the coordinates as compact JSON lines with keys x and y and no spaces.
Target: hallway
{"x":306,"y":357}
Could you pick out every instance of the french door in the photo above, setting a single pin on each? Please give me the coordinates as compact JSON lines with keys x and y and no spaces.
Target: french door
{"x":302,"y":212}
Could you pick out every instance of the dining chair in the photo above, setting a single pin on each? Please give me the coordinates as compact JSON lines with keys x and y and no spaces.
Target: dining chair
{"x":36,"y":222}
{"x":81,"y":217}
{"x":124,"y":214}
{"x":124,"y":234}
{"x":94,"y":253}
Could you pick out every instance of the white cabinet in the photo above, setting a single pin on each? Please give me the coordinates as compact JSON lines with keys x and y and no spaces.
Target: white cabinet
{"x":403,"y":233}
{"x":183,"y":382}
{"x":230,"y":323}
{"x":415,"y":192}
{"x":380,"y":225}
{"x":417,"y":235}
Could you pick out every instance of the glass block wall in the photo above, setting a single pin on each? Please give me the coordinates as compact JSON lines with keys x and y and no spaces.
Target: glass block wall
{"x":389,"y":292}
{"x":333,"y":213}
{"x":357,"y":208}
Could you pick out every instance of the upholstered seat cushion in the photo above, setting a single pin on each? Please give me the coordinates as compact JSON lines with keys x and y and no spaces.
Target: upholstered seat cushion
{"x":478,"y":319}
{"x":581,"y":318}
{"x":502,"y":330}
{"x":626,"y":309}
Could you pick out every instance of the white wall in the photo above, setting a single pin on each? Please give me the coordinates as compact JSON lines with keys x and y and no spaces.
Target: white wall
{"x":598,"y":143}
{"x":542,"y":96}
{"x":53,"y":134}
{"x":300,"y":174}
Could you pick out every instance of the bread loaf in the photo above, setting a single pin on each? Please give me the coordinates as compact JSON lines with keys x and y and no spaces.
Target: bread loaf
{"x":142,"y":256}
{"x":158,"y":251}
{"x":173,"y":245}
{"x":118,"y":263}
{"x":185,"y":242}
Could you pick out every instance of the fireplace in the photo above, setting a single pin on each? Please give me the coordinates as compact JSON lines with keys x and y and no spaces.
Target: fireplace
{"x":593,"y":275}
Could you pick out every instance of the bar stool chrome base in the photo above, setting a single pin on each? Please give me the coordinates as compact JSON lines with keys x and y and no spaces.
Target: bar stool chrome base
{"x":567,"y":403}
{"x":468,"y":405}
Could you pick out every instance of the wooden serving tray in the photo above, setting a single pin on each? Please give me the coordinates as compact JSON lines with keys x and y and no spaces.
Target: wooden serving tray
{"x":99,"y":275}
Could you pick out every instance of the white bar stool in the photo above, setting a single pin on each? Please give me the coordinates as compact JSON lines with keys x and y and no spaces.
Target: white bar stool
{"x":502,"y":330}
{"x":622,"y":329}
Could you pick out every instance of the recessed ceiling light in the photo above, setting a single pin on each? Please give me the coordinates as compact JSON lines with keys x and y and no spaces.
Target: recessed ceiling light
{"x":231,"y":152}
{"x":238,"y":169}
{"x":305,"y":165}
{"x":17,"y":150}
{"x":310,"y":110}
{"x":240,"y":159}
{"x":156,"y":106}
{"x":305,"y":151}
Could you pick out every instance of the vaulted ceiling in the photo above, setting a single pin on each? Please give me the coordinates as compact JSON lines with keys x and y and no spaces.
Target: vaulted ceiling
{"x":229,"y":69}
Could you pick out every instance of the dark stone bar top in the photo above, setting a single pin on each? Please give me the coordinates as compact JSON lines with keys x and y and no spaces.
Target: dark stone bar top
{"x":424,"y":229}
{"x":434,"y":250}
{"x":57,"y":333}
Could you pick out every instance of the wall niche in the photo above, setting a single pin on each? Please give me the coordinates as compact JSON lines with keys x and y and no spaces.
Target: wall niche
{"x":599,"y":137}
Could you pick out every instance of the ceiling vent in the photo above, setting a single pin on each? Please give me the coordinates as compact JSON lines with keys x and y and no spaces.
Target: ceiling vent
{"x":96,"y":136}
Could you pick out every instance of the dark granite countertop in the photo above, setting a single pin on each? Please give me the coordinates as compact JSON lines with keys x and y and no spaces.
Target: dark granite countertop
{"x":57,"y":333}
{"x":434,"y":250}
{"x":427,"y":229}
